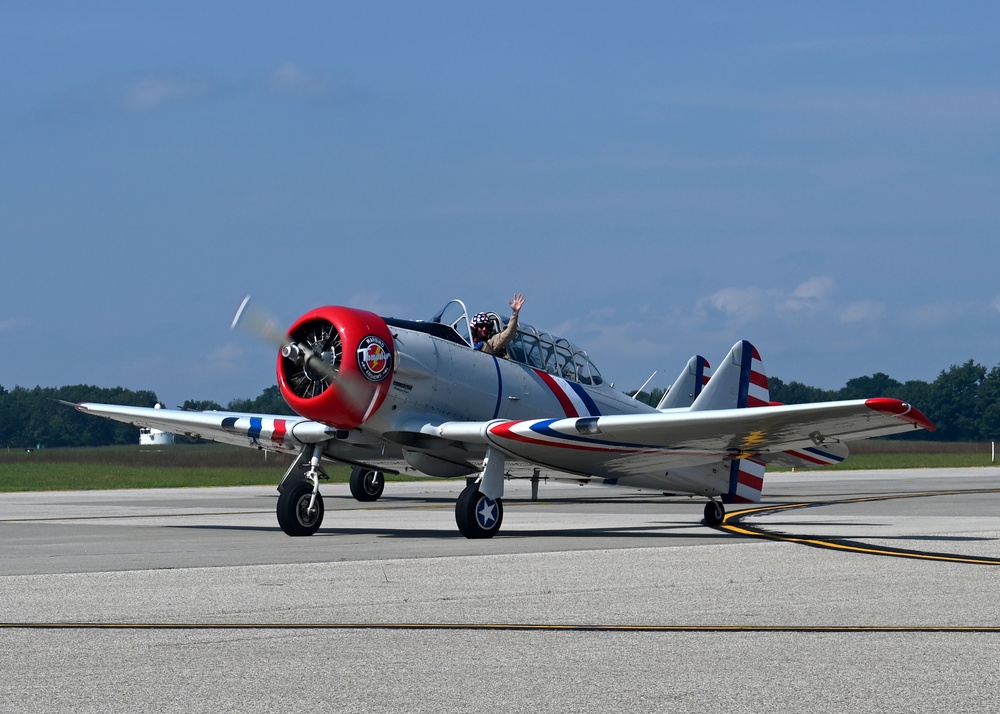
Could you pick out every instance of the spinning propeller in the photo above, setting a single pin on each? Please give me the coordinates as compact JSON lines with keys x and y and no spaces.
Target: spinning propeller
{"x":318,"y":365}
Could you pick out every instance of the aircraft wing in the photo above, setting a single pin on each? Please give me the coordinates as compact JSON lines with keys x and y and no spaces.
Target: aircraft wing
{"x":652,"y":444}
{"x":265,"y":431}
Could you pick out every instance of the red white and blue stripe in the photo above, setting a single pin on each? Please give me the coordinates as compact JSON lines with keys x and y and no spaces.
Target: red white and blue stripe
{"x":816,"y":456}
{"x":258,"y":429}
{"x":753,"y":381}
{"x":568,"y":435}
{"x":573,"y":398}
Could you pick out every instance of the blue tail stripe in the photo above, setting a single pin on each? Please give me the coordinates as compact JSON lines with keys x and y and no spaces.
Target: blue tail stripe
{"x":746,"y":364}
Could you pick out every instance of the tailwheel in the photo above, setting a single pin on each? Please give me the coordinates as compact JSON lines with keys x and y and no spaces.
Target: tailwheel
{"x":715,"y":512}
{"x":298,"y":513}
{"x":477,"y":515}
{"x":366,"y":484}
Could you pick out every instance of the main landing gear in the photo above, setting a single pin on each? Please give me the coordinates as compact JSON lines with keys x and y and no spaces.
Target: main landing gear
{"x":300,"y":509}
{"x":715,"y":513}
{"x":478,"y":515}
{"x":300,"y":505}
{"x":479,"y":508}
{"x":366,"y":484}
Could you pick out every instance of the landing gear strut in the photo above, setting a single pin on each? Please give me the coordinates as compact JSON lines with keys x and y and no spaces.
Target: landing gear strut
{"x":479,"y":509}
{"x":300,"y":505}
{"x":715,"y":513}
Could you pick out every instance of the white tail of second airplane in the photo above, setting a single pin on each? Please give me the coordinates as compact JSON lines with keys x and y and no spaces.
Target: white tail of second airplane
{"x":739,"y":382}
{"x":687,"y":386}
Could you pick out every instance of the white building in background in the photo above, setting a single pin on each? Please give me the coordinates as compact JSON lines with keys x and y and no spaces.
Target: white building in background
{"x":154,"y":437}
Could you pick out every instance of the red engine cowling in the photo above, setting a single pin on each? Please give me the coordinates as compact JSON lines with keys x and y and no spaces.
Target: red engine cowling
{"x":356,"y":349}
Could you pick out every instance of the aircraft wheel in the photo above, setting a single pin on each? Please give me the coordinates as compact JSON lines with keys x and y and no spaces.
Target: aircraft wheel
{"x":714,"y":513}
{"x":477,"y":515}
{"x":366,"y":484}
{"x":293,"y":509}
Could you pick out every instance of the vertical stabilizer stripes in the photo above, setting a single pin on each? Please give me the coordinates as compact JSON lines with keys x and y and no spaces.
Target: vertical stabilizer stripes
{"x":753,"y":381}
{"x":701,"y":376}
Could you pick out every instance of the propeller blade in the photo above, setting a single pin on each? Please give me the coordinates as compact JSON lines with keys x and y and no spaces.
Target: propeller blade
{"x":259,"y":323}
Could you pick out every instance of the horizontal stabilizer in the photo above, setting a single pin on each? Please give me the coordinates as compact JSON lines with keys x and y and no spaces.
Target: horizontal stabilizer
{"x":809,"y":457}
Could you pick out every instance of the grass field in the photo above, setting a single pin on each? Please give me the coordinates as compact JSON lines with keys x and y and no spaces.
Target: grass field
{"x":116,"y":467}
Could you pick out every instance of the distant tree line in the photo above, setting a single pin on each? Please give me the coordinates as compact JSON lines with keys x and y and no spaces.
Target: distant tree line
{"x":34,"y":418}
{"x":963,"y":402}
{"x":270,"y":401}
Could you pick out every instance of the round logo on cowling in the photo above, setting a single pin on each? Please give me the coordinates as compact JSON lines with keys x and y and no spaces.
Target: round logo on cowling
{"x":374,"y":358}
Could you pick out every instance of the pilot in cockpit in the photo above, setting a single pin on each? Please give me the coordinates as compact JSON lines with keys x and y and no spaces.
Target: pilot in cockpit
{"x":483,"y":338}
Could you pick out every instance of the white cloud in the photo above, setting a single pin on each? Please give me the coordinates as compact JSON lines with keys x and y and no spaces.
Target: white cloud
{"x":151,"y":93}
{"x":935,"y":315}
{"x":817,"y":288}
{"x":13,"y":324}
{"x":744,"y":304}
{"x":749,"y":304}
{"x":862,"y":311}
{"x":812,"y":294}
{"x":289,"y":78}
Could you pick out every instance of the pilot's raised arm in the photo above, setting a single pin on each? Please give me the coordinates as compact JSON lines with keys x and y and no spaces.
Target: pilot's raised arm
{"x":482,"y":330}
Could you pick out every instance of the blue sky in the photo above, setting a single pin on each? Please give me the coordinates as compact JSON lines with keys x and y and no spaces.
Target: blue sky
{"x":659,"y":179}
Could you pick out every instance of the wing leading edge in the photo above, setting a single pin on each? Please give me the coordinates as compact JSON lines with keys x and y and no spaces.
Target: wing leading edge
{"x":266,"y":431}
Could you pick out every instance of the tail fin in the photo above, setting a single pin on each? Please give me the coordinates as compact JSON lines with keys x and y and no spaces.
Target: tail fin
{"x":738,"y":382}
{"x":687,"y":386}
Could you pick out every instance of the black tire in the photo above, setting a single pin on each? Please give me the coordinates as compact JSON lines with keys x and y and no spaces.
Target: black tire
{"x":293,"y":504}
{"x":715,"y":512}
{"x":367,"y":484}
{"x":477,"y":515}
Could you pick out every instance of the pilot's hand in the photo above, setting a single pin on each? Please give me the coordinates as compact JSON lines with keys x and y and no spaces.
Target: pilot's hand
{"x":517,"y":302}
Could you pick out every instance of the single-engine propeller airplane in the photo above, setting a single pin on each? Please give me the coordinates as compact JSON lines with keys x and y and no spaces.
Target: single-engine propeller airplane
{"x":373,"y":392}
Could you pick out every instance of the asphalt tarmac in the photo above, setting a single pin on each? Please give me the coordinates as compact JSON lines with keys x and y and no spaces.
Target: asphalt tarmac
{"x":849,"y":591}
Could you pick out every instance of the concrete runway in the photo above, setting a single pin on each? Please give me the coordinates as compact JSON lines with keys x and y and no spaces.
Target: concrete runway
{"x":851,"y":591}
